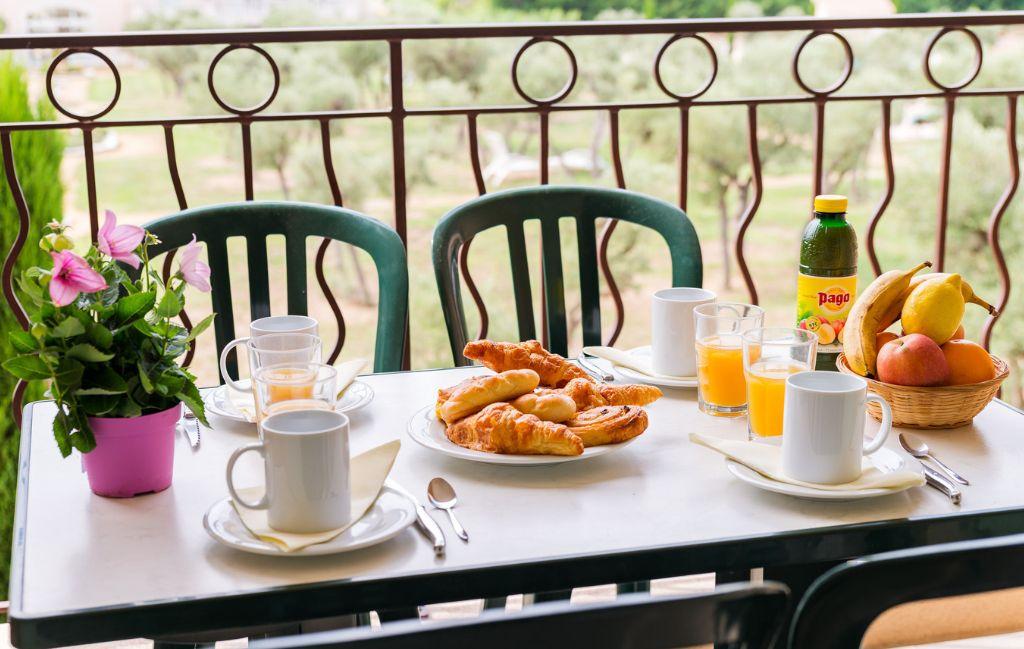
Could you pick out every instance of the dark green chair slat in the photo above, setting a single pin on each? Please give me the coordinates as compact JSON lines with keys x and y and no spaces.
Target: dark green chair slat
{"x":548,"y":204}
{"x":220,"y":282}
{"x":520,"y":282}
{"x":590,"y":292}
{"x":255,"y":221}
{"x":295,"y":262}
{"x":554,"y":286}
{"x":259,"y":279}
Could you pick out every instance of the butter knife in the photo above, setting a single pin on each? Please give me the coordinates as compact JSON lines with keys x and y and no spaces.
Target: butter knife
{"x":592,"y":369}
{"x":938,"y":481}
{"x":427,"y":525}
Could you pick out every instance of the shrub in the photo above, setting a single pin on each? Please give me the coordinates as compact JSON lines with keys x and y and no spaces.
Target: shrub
{"x":37,"y":158}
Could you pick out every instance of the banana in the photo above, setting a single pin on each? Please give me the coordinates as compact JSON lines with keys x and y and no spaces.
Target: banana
{"x":867,"y":314}
{"x":896,"y":308}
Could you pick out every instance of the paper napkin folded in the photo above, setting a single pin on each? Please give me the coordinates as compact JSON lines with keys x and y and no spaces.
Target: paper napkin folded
{"x":348,"y":371}
{"x":766,"y":459}
{"x":618,"y":357}
{"x":367,"y":473}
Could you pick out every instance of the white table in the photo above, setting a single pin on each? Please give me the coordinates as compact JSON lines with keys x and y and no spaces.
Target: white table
{"x":87,"y":568}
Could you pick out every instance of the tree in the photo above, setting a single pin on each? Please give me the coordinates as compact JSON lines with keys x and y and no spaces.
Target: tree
{"x":37,"y":158}
{"x":177,"y":63}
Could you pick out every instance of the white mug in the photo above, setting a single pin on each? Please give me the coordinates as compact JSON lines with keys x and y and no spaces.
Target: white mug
{"x":672,"y":329}
{"x":275,"y":324}
{"x":306,"y":460}
{"x":823,"y":427}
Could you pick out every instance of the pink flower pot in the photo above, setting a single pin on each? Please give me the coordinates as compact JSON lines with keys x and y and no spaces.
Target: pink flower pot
{"x":133,"y":455}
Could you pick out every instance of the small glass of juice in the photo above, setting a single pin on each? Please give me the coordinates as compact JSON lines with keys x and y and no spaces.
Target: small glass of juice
{"x":294,"y":386}
{"x":719,"y":327}
{"x":769,"y":356}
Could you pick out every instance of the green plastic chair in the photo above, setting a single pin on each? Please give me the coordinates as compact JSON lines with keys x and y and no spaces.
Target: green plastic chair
{"x":547,"y":204}
{"x":254,"y":221}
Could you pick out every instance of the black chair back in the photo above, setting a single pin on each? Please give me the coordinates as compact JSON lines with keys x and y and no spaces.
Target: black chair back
{"x":840,"y":606}
{"x":737,"y":616}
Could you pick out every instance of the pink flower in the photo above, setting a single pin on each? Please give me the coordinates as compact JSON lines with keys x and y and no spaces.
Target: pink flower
{"x":119,"y":242}
{"x":193,"y":271}
{"x":71,"y":276}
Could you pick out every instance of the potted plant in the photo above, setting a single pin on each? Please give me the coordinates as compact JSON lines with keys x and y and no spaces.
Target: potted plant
{"x":106,"y":342}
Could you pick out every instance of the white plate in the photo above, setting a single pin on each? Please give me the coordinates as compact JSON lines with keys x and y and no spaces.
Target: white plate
{"x":886,"y":460}
{"x":665,"y":382}
{"x":389,"y":515}
{"x":218,"y":402}
{"x":426,"y":430}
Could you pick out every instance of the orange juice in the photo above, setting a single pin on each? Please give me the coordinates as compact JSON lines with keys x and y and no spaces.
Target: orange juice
{"x":720,"y":381}
{"x":287,"y":384}
{"x":766,"y":390}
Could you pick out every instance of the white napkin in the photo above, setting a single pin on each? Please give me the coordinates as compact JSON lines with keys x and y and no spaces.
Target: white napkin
{"x":244,"y":403}
{"x":367,"y":474}
{"x":348,"y":371}
{"x":766,"y":459}
{"x":618,"y":357}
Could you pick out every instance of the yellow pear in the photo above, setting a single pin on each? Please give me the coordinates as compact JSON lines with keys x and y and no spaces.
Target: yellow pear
{"x":935,"y":308}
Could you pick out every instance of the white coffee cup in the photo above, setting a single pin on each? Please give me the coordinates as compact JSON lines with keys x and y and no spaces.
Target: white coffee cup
{"x":823,"y":427}
{"x":306,"y":458}
{"x":275,"y":324}
{"x":672,"y":329}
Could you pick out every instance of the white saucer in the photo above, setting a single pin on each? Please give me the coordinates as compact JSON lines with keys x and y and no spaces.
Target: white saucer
{"x":660,"y":381}
{"x":425,"y":429}
{"x":886,"y":460}
{"x":217,"y":401}
{"x":389,"y":515}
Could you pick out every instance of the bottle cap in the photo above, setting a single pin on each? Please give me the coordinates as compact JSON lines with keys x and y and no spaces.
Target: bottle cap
{"x":830,"y":203}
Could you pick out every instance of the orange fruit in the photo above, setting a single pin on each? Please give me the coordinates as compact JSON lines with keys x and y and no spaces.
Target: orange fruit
{"x":883,"y":337}
{"x":968,"y":362}
{"x":959,"y":333}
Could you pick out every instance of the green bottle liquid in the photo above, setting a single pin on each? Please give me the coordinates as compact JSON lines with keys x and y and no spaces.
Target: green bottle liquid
{"x":827,"y":284}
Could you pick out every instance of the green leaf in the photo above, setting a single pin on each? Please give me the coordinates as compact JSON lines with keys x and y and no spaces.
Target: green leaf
{"x":190,"y":396}
{"x":23,"y":342}
{"x":27,"y":367}
{"x":88,"y":353}
{"x":170,"y":384}
{"x":132,"y":307}
{"x":96,"y":392}
{"x":69,"y":375}
{"x":101,"y":336}
{"x":147,"y":384}
{"x":103,"y":381}
{"x":200,"y":327}
{"x":67,"y":328}
{"x":170,"y":305}
{"x":60,"y":433}
{"x":97,"y":405}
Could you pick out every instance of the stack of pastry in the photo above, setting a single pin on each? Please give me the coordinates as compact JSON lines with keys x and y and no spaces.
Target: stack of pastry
{"x":538,"y":403}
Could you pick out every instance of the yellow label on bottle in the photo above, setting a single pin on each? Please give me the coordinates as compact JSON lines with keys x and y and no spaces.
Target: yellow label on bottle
{"x":822,"y":306}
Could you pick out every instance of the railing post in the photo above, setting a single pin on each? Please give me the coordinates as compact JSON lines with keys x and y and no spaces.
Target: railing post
{"x":397,"y":115}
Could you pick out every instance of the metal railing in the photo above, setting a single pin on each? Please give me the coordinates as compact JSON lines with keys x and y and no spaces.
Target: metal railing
{"x":399,"y":113}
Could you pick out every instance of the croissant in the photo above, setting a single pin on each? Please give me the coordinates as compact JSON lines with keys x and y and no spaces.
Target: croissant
{"x":553,"y":406}
{"x":554,"y":370}
{"x":500,"y":428}
{"x":588,"y":394}
{"x":474,"y":393}
{"x":608,"y":425}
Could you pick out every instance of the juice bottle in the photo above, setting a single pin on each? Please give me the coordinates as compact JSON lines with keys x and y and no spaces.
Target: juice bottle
{"x":827,"y":284}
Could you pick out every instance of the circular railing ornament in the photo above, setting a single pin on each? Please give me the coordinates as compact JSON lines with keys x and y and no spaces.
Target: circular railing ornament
{"x":707,"y":82}
{"x":252,"y":110}
{"x":569,"y":84}
{"x":53,"y":97}
{"x":843,"y":77}
{"x":968,"y":78}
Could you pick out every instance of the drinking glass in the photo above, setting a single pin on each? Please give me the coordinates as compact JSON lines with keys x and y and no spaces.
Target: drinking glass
{"x":294,"y":386}
{"x":721,"y":388}
{"x":770,"y":355}
{"x":275,"y":349}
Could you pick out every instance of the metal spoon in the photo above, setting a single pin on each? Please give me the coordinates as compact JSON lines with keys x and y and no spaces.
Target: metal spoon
{"x":919,"y":449}
{"x":442,"y":496}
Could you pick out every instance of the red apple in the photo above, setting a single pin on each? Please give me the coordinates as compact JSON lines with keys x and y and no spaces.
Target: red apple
{"x":912,"y":360}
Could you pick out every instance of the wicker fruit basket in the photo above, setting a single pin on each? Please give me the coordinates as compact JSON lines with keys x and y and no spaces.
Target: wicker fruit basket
{"x":948,"y":406}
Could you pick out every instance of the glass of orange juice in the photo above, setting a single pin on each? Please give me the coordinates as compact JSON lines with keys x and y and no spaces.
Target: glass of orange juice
{"x":769,"y":356}
{"x":294,"y":386}
{"x":719,"y":327}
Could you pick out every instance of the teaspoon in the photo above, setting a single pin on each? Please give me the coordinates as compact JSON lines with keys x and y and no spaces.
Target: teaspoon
{"x":442,"y":496}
